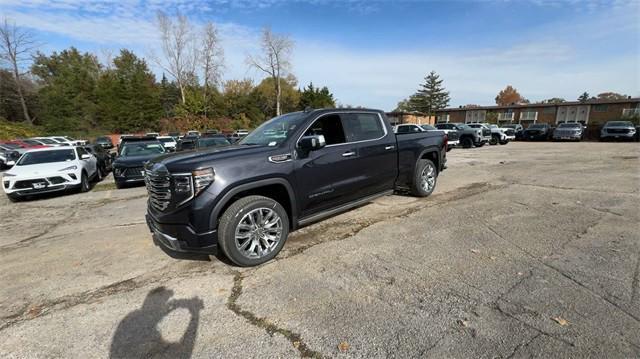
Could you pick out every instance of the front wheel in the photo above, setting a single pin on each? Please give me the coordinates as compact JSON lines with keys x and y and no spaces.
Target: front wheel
{"x":493,"y":141}
{"x":425,"y":178}
{"x":504,"y":142}
{"x":467,"y":142}
{"x":253,"y":230}
{"x":84,"y":183}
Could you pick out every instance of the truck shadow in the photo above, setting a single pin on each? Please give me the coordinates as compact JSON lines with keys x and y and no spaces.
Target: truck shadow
{"x":138,"y":336}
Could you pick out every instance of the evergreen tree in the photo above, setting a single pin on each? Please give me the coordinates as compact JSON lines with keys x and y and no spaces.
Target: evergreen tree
{"x":431,"y":96}
{"x":584,"y":97}
{"x":314,"y":97}
{"x":128,"y":97}
{"x":169,"y":96}
{"x":68,"y":93}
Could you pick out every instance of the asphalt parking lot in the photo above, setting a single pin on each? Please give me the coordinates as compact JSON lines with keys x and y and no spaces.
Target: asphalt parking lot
{"x":529,"y":249}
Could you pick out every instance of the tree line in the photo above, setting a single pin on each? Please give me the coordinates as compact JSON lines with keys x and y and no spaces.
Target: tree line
{"x":72,"y":91}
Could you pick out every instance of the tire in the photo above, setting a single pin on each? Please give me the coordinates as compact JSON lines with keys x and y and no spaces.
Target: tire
{"x":425,"y":178}
{"x":84,"y":183}
{"x":480,"y":144}
{"x":466,"y":142}
{"x":99,"y":174}
{"x":239,"y":221}
{"x":503,"y":142}
{"x":494,"y":140}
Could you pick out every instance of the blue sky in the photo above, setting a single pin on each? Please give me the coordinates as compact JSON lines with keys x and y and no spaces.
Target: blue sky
{"x":375,"y":53}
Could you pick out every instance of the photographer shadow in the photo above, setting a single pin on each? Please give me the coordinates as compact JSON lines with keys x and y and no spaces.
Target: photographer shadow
{"x":138,"y":336}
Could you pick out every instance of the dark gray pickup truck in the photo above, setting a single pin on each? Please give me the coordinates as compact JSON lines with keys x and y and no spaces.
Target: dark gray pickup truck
{"x":291,"y":171}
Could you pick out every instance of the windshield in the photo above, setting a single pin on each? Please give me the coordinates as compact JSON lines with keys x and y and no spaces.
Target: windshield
{"x":213,"y":142}
{"x":34,"y":158}
{"x":165,"y":140}
{"x":619,"y":124}
{"x":536,"y":126}
{"x":509,"y":126}
{"x":47,"y":141}
{"x":569,"y":125}
{"x":141,"y":149}
{"x":463,"y":127}
{"x":69,"y":138}
{"x":275,"y":131}
{"x":60,"y":139}
{"x":102,"y":139}
{"x":428,"y":127}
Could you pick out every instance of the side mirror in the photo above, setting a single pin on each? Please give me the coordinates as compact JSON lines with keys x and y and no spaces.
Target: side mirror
{"x":86,"y":156}
{"x":312,"y":143}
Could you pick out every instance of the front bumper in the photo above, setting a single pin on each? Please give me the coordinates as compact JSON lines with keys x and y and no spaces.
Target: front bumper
{"x":41,"y":184}
{"x":538,"y":136}
{"x":567,"y":136}
{"x":626,"y":136}
{"x":182,"y":238}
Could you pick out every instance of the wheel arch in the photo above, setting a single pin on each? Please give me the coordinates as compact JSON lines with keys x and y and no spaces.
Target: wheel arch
{"x":278,"y":189}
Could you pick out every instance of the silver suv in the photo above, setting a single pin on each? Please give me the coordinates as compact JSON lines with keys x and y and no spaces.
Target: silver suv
{"x":618,"y":130}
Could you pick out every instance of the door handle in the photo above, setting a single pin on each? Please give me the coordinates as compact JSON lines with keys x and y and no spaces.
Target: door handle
{"x":348,"y":154}
{"x":389,"y":147}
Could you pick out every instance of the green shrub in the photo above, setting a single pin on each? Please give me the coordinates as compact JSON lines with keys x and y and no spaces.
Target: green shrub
{"x":12,"y":130}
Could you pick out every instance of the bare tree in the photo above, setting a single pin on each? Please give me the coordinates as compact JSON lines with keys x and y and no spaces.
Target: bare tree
{"x":274,"y":60}
{"x":178,"y":47}
{"x":211,"y":59}
{"x":16,"y":46}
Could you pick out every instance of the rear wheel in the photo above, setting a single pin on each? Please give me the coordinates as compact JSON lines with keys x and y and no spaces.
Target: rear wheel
{"x":424,"y":179}
{"x":253,"y":230}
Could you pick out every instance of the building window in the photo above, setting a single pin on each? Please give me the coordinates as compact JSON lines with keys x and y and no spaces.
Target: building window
{"x":550,"y":109}
{"x":600,"y":108}
{"x":528,"y":115}
{"x":475,"y":116}
{"x":442,"y":118}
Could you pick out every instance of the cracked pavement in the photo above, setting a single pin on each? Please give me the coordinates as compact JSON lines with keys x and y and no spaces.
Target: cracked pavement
{"x":524,"y":250}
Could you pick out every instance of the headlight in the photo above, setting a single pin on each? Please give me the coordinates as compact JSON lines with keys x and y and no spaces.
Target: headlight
{"x":70,"y":168}
{"x":117,"y":171}
{"x":7,"y":174}
{"x":202,"y":179}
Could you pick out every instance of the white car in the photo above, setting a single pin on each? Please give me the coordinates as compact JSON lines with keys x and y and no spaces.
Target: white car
{"x":168,"y":142}
{"x":501,"y":135}
{"x":70,"y":141}
{"x":48,"y":142}
{"x":408,"y":128}
{"x":47,"y":170}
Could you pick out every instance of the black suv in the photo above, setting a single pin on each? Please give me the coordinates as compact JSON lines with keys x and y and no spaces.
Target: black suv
{"x":291,"y":171}
{"x":537,"y":132}
{"x":133,"y":153}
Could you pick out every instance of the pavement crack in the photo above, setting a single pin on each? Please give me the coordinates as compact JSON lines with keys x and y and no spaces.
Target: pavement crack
{"x":568,"y":188}
{"x":263,"y":323}
{"x":523,"y":345}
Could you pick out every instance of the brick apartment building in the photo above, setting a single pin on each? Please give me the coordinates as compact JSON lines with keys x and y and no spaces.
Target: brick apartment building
{"x":591,"y":113}
{"x":418,"y":118}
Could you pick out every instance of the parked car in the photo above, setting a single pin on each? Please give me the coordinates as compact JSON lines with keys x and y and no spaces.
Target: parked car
{"x":473,"y":134}
{"x":132,"y":154}
{"x":105,"y":142}
{"x":104,"y":158}
{"x":192,"y":133}
{"x":453,"y":134}
{"x":152,"y":134}
{"x":212,"y":141}
{"x":169,"y":143}
{"x":500,"y":135}
{"x":293,"y":170}
{"x":68,"y":140}
{"x":572,"y":131}
{"x":48,"y":141}
{"x":618,"y":130}
{"x":517,"y":128}
{"x":537,"y":132}
{"x":407,"y":128}
{"x":8,"y":155}
{"x":25,"y":144}
{"x":47,"y":170}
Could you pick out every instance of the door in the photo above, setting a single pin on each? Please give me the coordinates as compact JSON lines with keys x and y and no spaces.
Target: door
{"x":326,"y":177}
{"x":377,"y":161}
{"x":91,"y":163}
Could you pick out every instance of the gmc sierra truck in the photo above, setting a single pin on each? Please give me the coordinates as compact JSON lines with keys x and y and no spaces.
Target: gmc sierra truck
{"x":291,"y":171}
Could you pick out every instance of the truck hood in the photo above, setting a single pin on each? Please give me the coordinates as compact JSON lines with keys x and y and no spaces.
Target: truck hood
{"x":188,"y":161}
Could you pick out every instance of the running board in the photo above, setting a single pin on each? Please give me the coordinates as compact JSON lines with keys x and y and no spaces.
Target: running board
{"x":342,"y":208}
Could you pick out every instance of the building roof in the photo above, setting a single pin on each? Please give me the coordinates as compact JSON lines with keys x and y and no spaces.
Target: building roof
{"x":532,"y":105}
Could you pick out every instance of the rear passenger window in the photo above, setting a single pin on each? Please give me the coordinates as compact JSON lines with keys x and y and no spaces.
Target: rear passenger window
{"x":363,"y":126}
{"x":330,"y":126}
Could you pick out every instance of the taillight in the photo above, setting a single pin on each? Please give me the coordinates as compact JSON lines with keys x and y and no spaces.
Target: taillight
{"x":446,"y":142}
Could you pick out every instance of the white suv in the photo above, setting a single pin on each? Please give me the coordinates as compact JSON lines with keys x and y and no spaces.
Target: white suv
{"x":47,"y":170}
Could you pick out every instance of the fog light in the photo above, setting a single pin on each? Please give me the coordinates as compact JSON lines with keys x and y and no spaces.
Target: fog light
{"x":6,"y":184}
{"x":73,"y":176}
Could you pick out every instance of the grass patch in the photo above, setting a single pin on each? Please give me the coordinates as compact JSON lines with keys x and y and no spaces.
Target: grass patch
{"x":105,"y":187}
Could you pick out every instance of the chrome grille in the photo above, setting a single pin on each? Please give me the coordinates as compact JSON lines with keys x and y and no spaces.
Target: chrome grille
{"x":159,"y":189}
{"x":133,"y":171}
{"x":486,"y":132}
{"x":510,"y":132}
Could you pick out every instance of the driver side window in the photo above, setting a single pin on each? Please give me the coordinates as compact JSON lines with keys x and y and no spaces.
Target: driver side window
{"x":330,"y":126}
